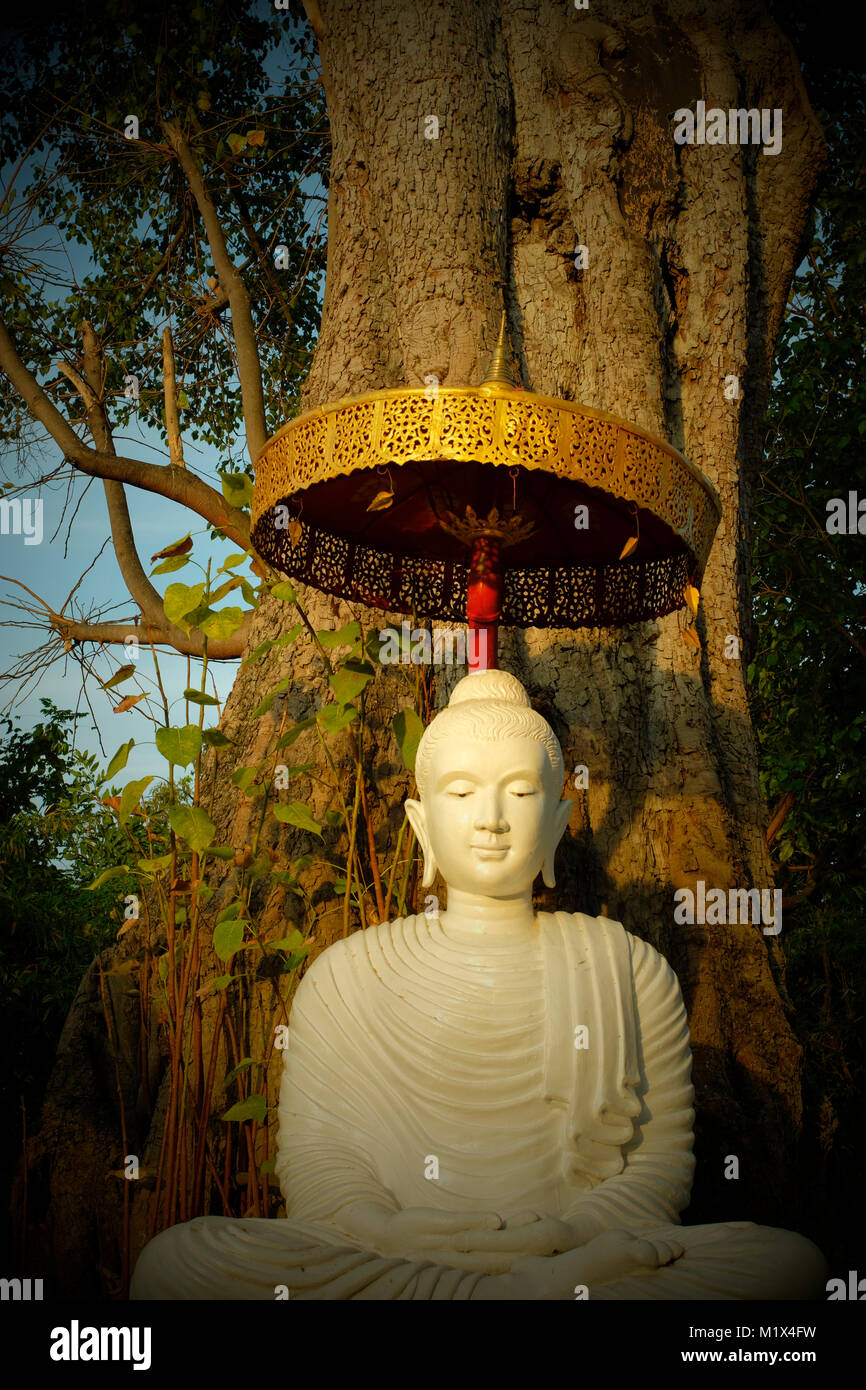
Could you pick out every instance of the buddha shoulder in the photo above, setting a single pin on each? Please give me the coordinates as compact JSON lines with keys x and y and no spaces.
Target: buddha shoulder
{"x":646,"y":961}
{"x":349,"y":955}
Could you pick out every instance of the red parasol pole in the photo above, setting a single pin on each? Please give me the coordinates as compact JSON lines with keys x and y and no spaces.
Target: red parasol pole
{"x":484,"y":603}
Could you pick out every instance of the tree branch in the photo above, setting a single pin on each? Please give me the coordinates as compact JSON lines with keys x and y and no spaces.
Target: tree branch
{"x":218,"y":649}
{"x":178,"y":484}
{"x":172,"y":419}
{"x":161,"y":634}
{"x":249,"y":367}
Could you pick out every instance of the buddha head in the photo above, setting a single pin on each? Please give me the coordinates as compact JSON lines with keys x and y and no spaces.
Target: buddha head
{"x":489,"y":771}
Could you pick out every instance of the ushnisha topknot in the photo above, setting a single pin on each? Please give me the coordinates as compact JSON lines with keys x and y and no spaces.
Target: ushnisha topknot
{"x":489,"y":685}
{"x":488,"y":706}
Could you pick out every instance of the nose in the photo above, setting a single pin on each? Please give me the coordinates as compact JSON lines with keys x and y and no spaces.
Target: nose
{"x":489,"y":816}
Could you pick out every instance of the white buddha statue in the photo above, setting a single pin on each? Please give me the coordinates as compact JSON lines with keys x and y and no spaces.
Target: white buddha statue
{"x":484,"y":1102}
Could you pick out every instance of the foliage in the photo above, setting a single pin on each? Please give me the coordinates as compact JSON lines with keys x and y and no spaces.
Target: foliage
{"x":57,"y":835}
{"x":808,"y":672}
{"x":242,"y":83}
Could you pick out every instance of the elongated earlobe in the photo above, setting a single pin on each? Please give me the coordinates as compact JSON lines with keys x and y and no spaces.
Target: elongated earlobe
{"x":563,"y":815}
{"x":416,"y":818}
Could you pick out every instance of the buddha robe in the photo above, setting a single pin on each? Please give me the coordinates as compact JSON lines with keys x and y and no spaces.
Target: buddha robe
{"x":428,"y":1071}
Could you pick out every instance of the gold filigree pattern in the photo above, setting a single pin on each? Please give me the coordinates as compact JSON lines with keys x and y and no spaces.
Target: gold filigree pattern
{"x":503,"y":427}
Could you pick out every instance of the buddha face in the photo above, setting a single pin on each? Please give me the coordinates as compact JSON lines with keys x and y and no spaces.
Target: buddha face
{"x":491,"y":816}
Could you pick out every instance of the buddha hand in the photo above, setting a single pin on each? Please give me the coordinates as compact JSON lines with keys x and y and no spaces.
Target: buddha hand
{"x":607,"y":1257}
{"x":413,"y":1229}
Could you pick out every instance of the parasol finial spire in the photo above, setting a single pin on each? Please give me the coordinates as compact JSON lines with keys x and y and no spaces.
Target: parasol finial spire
{"x":500,"y":372}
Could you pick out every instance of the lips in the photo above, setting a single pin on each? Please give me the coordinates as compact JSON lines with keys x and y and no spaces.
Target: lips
{"x":491,"y":849}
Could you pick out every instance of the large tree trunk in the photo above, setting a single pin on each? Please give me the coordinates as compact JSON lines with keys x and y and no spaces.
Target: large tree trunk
{"x":555,"y":129}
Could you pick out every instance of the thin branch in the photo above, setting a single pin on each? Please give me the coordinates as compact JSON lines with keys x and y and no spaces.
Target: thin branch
{"x":172,"y":418}
{"x":249,"y":366}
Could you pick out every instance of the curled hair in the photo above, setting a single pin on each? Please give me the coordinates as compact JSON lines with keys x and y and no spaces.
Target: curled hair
{"x":488,"y":706}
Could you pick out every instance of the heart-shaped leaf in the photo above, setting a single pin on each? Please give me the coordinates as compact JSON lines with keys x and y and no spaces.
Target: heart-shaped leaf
{"x":237,"y":487}
{"x":228,"y":936}
{"x":176,"y":562}
{"x":116,"y":872}
{"x":119,"y":761}
{"x":408,"y":728}
{"x":181,"y":599}
{"x":181,"y":547}
{"x":333,"y":718}
{"x":296,"y":813}
{"x":215,"y":738}
{"x":344,"y":637}
{"x":122,"y":674}
{"x":253,"y":1108}
{"x":192,"y":824}
{"x":223,"y":623}
{"x":130,"y":797}
{"x":127,"y":703}
{"x":179,"y":746}
{"x":350,"y":680}
{"x":197,"y":697}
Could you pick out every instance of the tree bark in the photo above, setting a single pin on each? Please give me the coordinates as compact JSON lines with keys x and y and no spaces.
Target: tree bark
{"x":556,"y":130}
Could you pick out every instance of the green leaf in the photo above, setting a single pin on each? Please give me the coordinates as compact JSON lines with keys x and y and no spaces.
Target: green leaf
{"x":288,"y":637}
{"x":235,"y":909}
{"x":220,"y":851}
{"x":333,"y":718}
{"x":236,"y":143}
{"x":118,"y":871}
{"x":261,"y":650}
{"x":192,"y":824}
{"x":334,"y":818}
{"x":237,"y":487}
{"x":292,"y":942}
{"x":253,"y":1108}
{"x":154,"y":866}
{"x":408,"y":728}
{"x":232,"y":561}
{"x":215,"y":738}
{"x":119,"y":761}
{"x":179,"y":746}
{"x":223,"y":623}
{"x":350,"y":680}
{"x":296,"y":813}
{"x":344,"y":637}
{"x":196,"y":697}
{"x":236,"y":1071}
{"x":181,"y":599}
{"x":216,"y":594}
{"x":228,"y":936}
{"x":287,"y":739}
{"x":265,"y":704}
{"x":122,"y":674}
{"x":130,"y":797}
{"x":183,"y":400}
{"x":174,"y":562}
{"x":284,"y":591}
{"x":243,"y":776}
